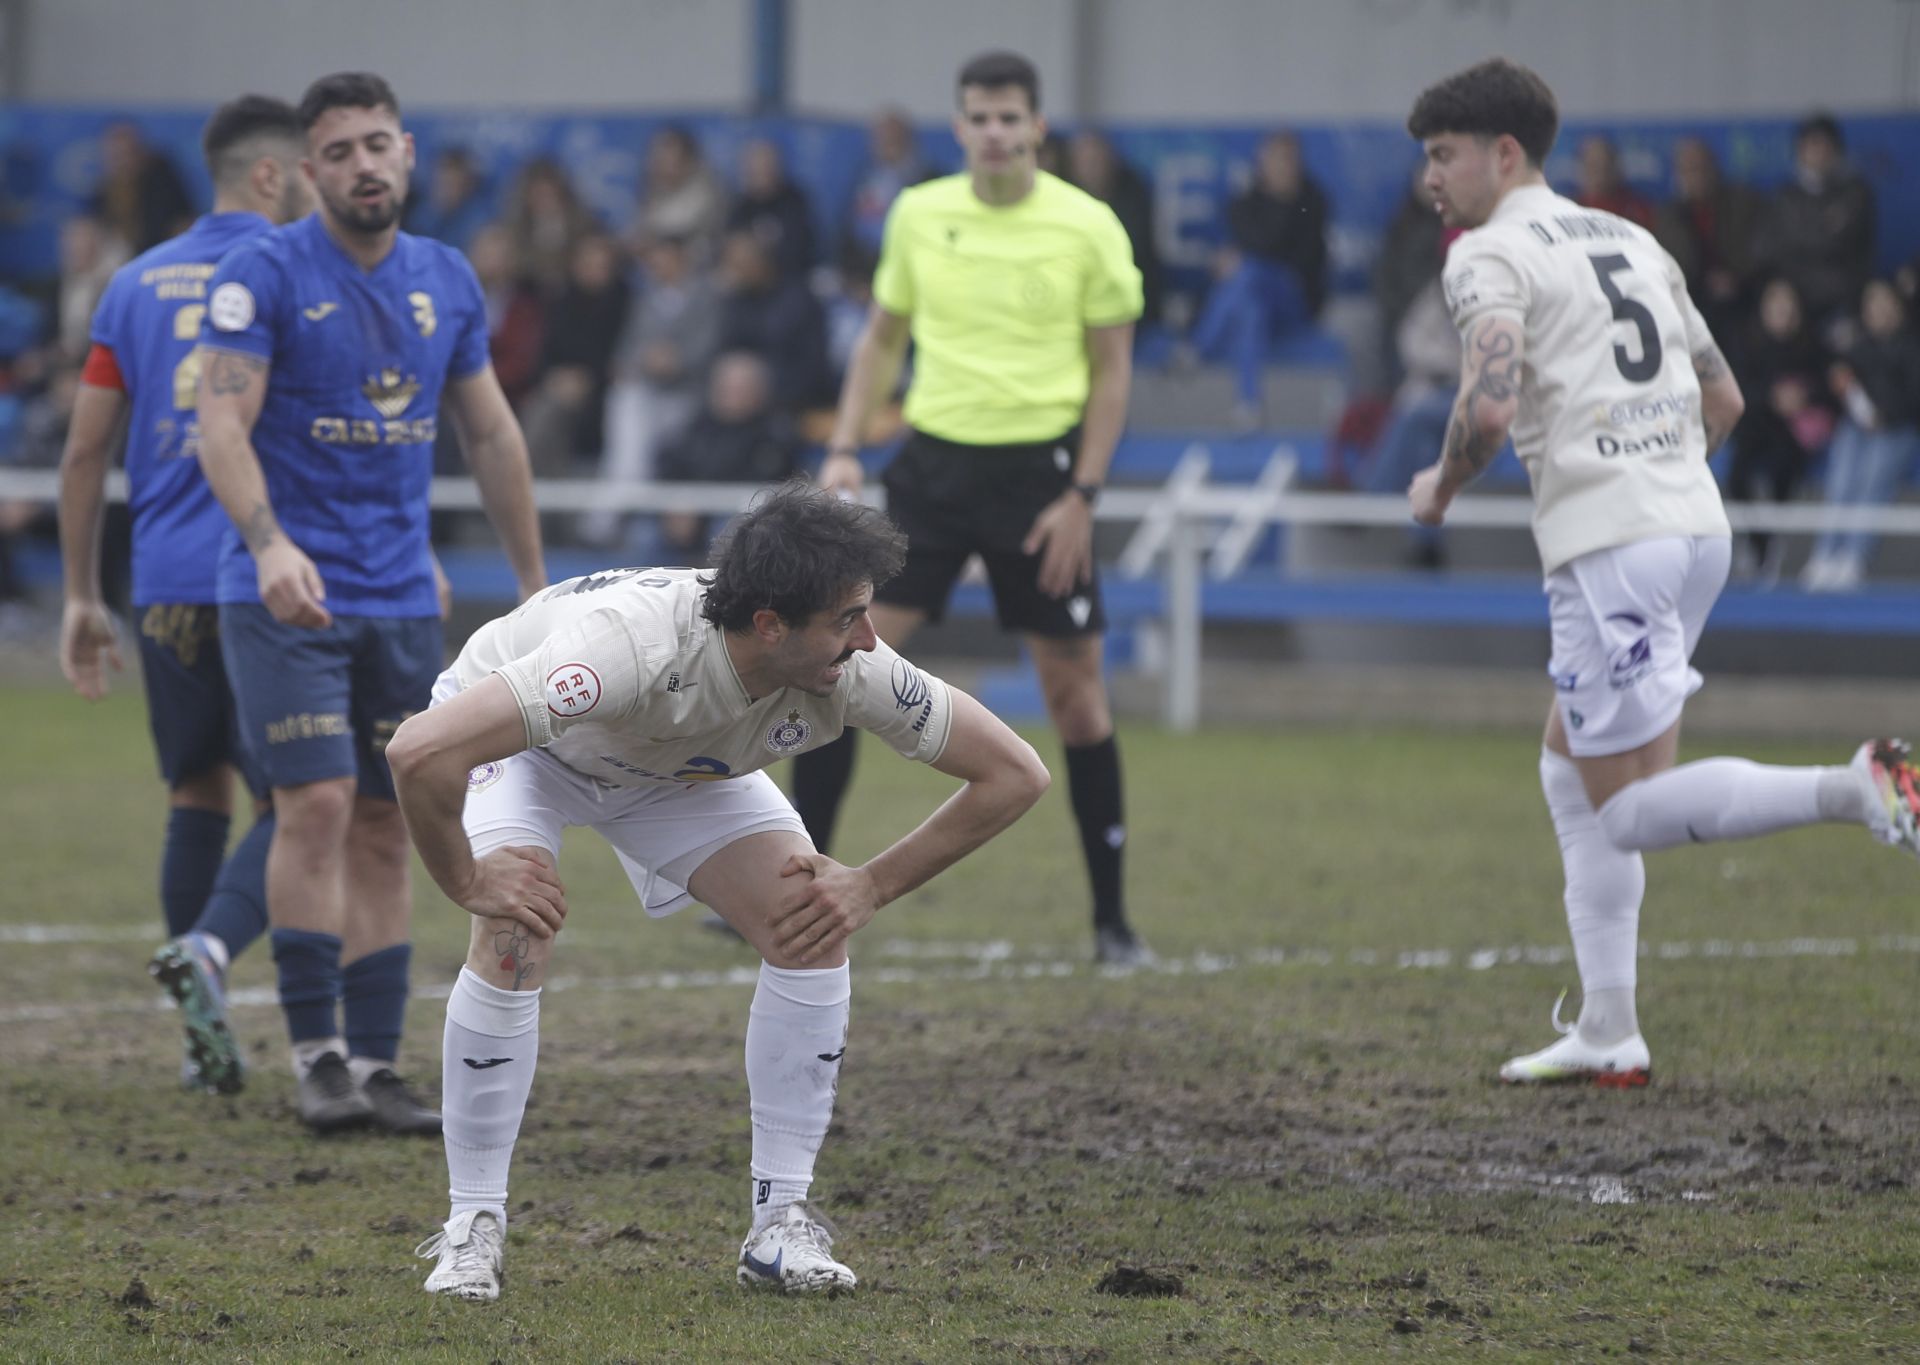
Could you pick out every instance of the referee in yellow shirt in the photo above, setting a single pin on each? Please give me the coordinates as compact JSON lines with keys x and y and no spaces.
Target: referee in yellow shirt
{"x":1019,"y":293}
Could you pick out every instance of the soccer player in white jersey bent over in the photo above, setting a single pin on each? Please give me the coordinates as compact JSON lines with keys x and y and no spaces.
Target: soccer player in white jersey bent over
{"x":1581,"y":341}
{"x":645,"y":703}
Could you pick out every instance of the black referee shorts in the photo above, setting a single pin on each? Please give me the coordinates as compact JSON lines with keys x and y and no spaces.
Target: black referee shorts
{"x":956,"y":500}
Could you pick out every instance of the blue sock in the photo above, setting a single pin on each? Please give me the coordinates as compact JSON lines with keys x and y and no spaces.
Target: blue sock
{"x":236,"y":912}
{"x":375,"y":991}
{"x":309,"y":966}
{"x":196,"y":842}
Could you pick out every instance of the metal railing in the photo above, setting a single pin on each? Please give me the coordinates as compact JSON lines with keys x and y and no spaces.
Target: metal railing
{"x":1193,"y":528}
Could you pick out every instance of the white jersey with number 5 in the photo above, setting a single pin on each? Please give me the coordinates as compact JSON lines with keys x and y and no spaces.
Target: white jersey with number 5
{"x":1609,"y":426}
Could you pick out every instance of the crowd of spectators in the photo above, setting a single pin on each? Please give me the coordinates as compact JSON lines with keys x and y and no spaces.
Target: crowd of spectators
{"x":704,"y":338}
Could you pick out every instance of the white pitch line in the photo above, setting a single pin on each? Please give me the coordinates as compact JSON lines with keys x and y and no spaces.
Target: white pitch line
{"x":915,"y":962}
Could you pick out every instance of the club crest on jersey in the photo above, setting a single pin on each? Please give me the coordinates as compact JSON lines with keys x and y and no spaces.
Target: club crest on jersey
{"x":485,"y":776}
{"x":389,"y":392}
{"x":231,"y":307}
{"x":789,"y":734}
{"x":572,"y":690}
{"x":423,"y":317}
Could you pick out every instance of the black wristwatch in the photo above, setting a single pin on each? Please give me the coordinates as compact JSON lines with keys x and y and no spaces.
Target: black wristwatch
{"x":1088,"y":491}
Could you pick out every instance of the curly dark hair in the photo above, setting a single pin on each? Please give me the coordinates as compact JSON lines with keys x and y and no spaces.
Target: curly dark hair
{"x":798,"y":551}
{"x":1495,"y":97}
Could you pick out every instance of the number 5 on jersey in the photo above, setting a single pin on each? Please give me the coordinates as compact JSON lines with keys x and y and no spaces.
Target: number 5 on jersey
{"x":1629,"y":310}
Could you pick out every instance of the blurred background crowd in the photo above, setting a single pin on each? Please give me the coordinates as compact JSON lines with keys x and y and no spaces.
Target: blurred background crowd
{"x":704,"y":337}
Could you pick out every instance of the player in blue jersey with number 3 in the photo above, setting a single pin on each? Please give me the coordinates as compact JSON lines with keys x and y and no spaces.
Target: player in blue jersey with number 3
{"x":144,"y":370}
{"x":328,"y":346}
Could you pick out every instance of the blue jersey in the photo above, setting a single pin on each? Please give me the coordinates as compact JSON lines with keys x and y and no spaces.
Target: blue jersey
{"x":149,"y":317}
{"x":345,"y":435}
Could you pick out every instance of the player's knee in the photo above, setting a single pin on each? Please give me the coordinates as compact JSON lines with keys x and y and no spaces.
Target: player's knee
{"x":315,"y":811}
{"x":1620,"y":818}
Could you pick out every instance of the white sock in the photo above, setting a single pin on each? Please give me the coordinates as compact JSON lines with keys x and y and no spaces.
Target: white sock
{"x":307,"y":1053}
{"x":1724,"y":798}
{"x":796,"y":1034}
{"x":1604,"y":888}
{"x":487,"y":1059}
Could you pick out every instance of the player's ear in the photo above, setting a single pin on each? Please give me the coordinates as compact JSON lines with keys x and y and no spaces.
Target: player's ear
{"x":769,"y":626}
{"x":406,"y":140}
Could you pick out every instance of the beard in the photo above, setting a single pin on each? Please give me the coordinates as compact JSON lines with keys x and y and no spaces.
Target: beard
{"x":367,"y":218}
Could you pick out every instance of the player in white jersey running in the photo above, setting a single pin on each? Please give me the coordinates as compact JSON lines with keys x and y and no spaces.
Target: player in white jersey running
{"x":645,"y":703}
{"x":1580,"y":341}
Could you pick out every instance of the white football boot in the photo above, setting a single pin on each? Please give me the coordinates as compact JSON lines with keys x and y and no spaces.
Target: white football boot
{"x":1886,"y":767}
{"x":1574,"y":1060}
{"x":793,"y":1255}
{"x":471,"y":1248}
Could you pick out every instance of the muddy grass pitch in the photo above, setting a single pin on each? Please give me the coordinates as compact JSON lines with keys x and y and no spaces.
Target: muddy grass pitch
{"x":1284,"y":1143}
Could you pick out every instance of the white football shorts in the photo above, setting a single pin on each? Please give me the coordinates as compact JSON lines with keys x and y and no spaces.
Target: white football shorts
{"x":662,"y":832}
{"x":1625,"y":623}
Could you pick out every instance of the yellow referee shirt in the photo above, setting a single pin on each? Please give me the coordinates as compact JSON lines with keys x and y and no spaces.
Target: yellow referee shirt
{"x":999,"y":299}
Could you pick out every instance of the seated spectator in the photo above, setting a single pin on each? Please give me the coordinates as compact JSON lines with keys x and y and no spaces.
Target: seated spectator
{"x":1428,"y":356}
{"x":88,"y":257}
{"x":681,"y":196}
{"x":1708,"y":227}
{"x":1878,"y":383}
{"x":1818,"y":229}
{"x":584,"y":322}
{"x":1603,"y":186}
{"x":738,"y":437}
{"x":546,"y":221}
{"x":141,"y":198}
{"x":1411,"y":255}
{"x":1096,"y":167}
{"x":773,"y":208}
{"x":658,"y":370}
{"x":516,"y":315}
{"x":894,"y":165}
{"x":454,"y":208}
{"x":777,"y":319}
{"x":1272,"y":277}
{"x":1782,"y":368}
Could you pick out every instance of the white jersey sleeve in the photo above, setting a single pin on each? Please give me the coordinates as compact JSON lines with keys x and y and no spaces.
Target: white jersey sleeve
{"x":587,"y":669}
{"x":1479,"y":281}
{"x":909,"y":709}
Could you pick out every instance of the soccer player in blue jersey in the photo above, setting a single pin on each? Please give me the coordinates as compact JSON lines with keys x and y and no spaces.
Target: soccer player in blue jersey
{"x":328,"y":346}
{"x":144,"y":370}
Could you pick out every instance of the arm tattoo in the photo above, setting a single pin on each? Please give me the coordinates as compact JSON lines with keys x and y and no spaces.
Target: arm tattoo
{"x":231,"y":374}
{"x":512,"y":945}
{"x":261,"y":529}
{"x":1496,"y":356}
{"x":1499,"y":367}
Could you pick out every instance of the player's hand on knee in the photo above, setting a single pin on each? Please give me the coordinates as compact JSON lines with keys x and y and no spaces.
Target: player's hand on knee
{"x":520,"y":884}
{"x":88,"y":642}
{"x":290,"y":586}
{"x":815,"y":919}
